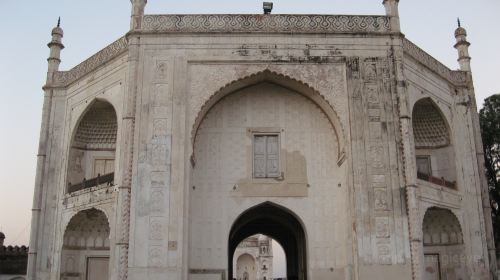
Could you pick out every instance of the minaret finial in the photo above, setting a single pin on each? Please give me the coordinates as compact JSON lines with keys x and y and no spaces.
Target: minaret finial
{"x":462,"y":47}
{"x":55,"y":46}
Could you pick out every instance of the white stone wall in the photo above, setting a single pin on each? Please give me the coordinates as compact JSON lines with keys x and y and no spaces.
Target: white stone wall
{"x":335,"y":103}
{"x":222,"y":179}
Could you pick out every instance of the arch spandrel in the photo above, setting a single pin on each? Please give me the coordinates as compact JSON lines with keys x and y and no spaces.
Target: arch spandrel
{"x":284,"y":81}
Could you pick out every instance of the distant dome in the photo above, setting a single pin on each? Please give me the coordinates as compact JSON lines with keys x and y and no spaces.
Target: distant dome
{"x":460,"y":32}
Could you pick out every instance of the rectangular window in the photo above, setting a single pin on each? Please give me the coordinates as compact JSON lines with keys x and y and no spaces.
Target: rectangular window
{"x":103,"y":166}
{"x":424,"y":165}
{"x":266,"y":162}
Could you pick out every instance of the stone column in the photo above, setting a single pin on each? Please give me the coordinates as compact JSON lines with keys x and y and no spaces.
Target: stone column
{"x":485,"y":196}
{"x":391,"y":10}
{"x":408,"y":155}
{"x":137,"y":13}
{"x":407,"y":145}
{"x":127,"y":142}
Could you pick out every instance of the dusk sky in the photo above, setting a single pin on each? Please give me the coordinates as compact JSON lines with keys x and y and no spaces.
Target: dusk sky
{"x":92,"y":24}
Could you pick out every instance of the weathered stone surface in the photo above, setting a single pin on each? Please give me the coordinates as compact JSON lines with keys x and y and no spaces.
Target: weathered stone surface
{"x":354,"y":159}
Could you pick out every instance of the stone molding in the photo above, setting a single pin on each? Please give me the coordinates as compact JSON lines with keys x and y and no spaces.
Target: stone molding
{"x":221,"y":272}
{"x":64,"y":78}
{"x":454,"y":77}
{"x":224,"y":23}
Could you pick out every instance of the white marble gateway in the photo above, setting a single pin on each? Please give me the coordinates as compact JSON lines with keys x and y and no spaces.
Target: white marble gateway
{"x":332,"y":134}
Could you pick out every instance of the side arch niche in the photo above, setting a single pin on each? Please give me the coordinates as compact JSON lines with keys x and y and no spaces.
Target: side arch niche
{"x":246,"y":267}
{"x":92,"y":153}
{"x":444,"y":251}
{"x":86,"y":246}
{"x":281,"y":225}
{"x":435,"y":156}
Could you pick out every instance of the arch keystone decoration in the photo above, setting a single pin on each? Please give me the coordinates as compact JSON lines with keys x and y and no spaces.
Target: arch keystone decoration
{"x":284,"y":81}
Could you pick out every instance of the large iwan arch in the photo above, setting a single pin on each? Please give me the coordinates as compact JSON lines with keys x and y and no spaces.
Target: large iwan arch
{"x":281,"y":80}
{"x":298,"y":132}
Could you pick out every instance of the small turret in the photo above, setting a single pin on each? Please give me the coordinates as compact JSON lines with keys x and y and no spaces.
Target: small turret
{"x":462,"y":47}
{"x":55,"y":47}
{"x":137,"y":13}
{"x":391,"y":10}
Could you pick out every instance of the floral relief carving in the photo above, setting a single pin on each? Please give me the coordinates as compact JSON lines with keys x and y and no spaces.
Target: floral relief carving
{"x":155,"y":228}
{"x":64,"y":78}
{"x":155,"y":256}
{"x":381,"y":199}
{"x":269,"y":23}
{"x":382,"y":227}
{"x":456,"y":77}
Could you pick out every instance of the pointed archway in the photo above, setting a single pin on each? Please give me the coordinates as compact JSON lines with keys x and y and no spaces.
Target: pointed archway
{"x":280,"y":224}
{"x":86,"y":248}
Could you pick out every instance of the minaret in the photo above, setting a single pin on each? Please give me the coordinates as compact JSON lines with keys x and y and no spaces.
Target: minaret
{"x":137,"y":13}
{"x":54,"y":60}
{"x":391,"y":10}
{"x":462,"y":47}
{"x":55,"y":47}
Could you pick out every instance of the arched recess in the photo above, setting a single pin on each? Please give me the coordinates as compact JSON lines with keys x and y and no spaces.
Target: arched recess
{"x":278,"y":223}
{"x":246,"y":267}
{"x":435,"y":157}
{"x":86,"y":246}
{"x":286,"y":82}
{"x":92,"y":152}
{"x":444,"y":252}
{"x":260,"y":249}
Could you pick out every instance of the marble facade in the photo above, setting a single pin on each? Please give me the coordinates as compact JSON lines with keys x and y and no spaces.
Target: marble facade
{"x":148,"y":149}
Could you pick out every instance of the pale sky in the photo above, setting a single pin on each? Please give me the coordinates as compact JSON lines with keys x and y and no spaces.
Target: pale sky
{"x":90,"y":25}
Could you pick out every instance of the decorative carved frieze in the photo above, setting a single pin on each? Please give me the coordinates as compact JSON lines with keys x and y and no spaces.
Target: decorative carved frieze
{"x":267,"y":23}
{"x":64,"y":78}
{"x":455,"y":77}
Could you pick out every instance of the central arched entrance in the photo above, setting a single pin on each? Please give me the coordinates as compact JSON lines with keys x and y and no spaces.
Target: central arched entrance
{"x":278,"y":223}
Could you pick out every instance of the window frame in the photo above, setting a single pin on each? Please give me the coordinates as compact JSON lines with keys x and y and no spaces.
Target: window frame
{"x":279,"y":175}
{"x":428,"y":158}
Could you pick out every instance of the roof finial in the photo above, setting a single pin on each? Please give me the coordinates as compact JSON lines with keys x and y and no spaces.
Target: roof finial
{"x":458,"y":21}
{"x":59,"y":22}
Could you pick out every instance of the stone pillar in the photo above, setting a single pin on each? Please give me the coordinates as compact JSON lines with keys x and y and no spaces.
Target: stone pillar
{"x":462,"y":47}
{"x":391,"y":10}
{"x":54,"y":60}
{"x":483,"y":182}
{"x":127,"y":144}
{"x":137,"y":13}
{"x":408,"y":155}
